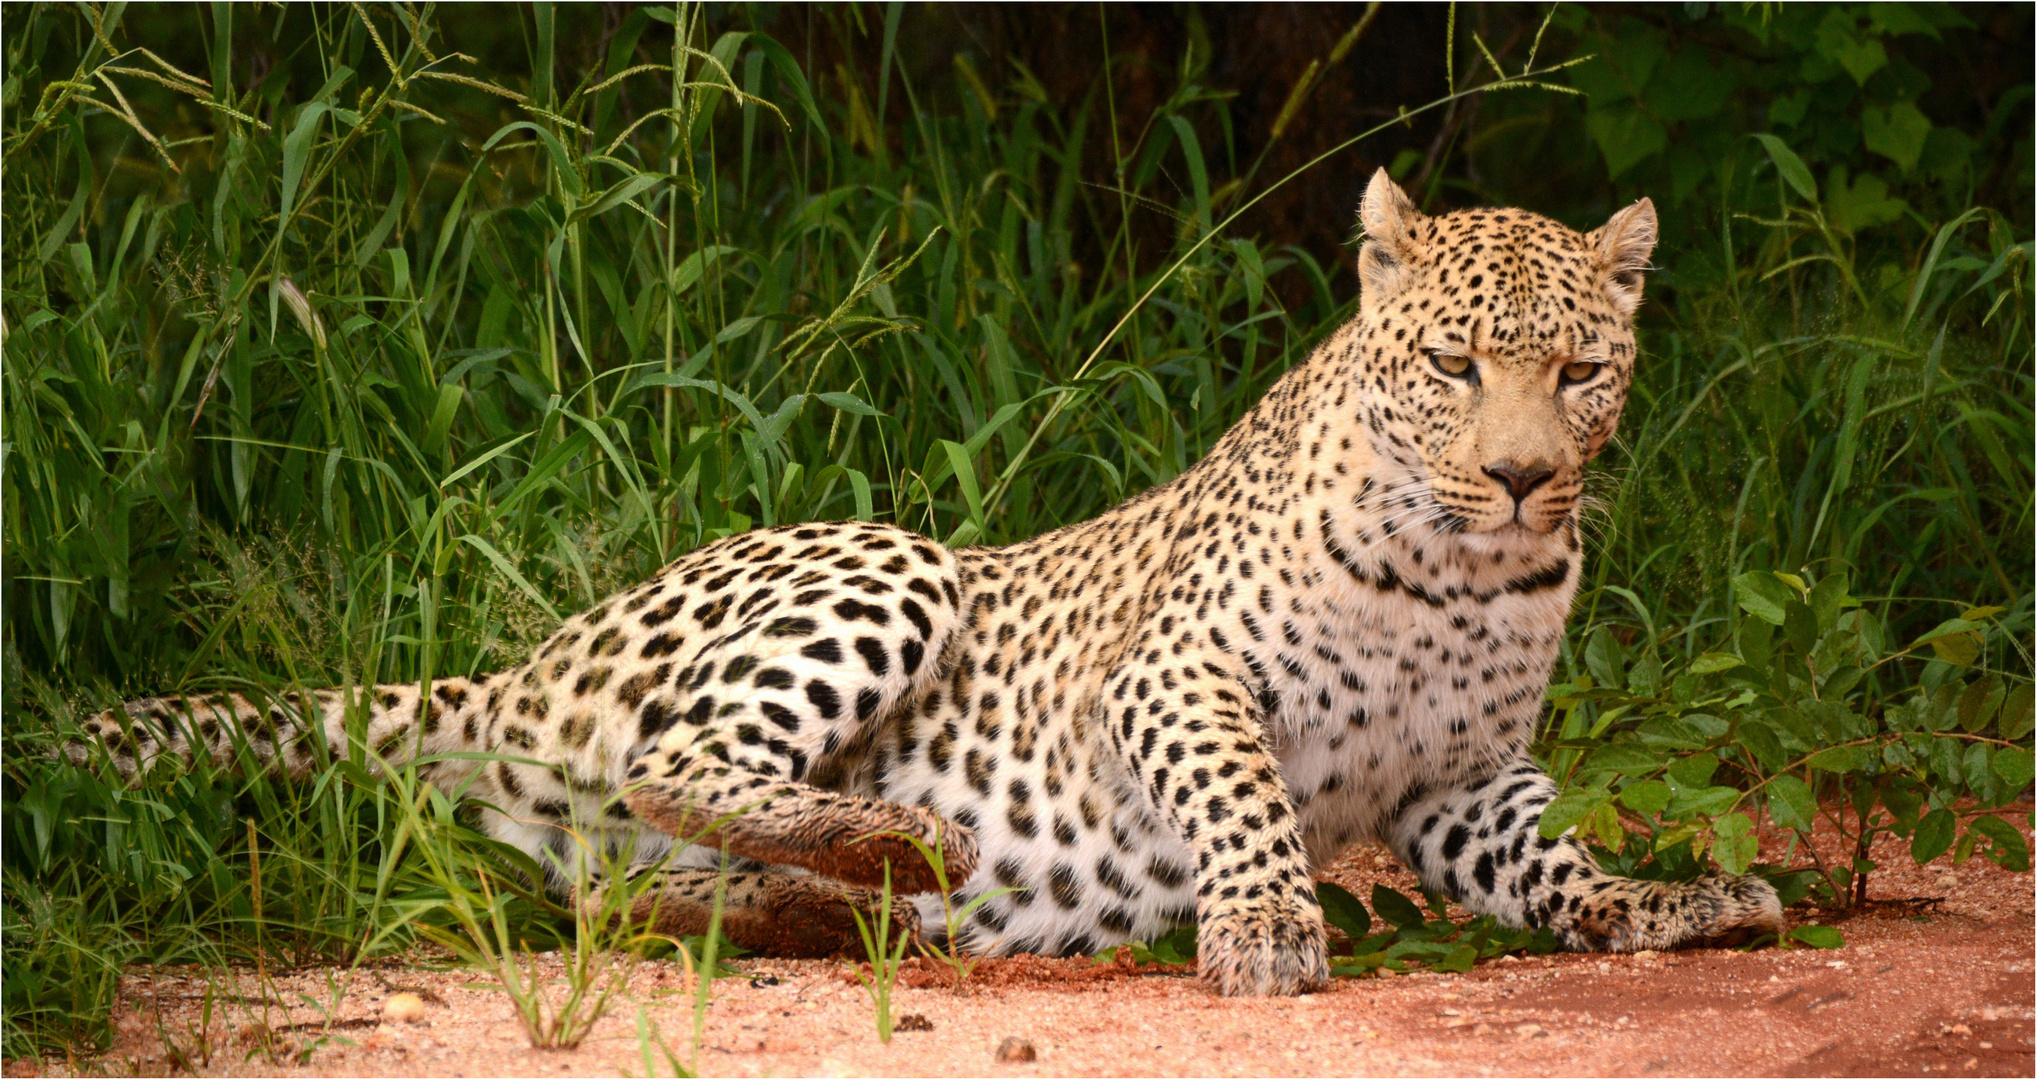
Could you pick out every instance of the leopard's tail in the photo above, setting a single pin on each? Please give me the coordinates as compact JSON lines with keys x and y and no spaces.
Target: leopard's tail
{"x":283,"y":732}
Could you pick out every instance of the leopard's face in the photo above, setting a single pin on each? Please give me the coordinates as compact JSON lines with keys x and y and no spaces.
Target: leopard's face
{"x":1498,"y":347}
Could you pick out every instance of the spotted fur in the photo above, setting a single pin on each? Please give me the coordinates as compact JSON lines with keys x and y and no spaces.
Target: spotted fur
{"x":1336,"y":627}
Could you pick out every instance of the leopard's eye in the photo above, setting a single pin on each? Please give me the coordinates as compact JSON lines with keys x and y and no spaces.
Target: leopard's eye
{"x":1450,"y":364}
{"x":1579,"y":371}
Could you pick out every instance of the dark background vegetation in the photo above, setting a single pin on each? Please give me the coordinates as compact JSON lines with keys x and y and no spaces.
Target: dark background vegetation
{"x":966,"y":268}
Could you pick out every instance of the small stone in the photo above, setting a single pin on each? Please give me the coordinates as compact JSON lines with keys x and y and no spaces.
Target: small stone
{"x":1959,"y":1029}
{"x":913,"y":1022}
{"x":1016,"y":1051}
{"x":1528,"y":1031}
{"x":1605,"y":967}
{"x":1948,"y":881}
{"x":403,"y":1009}
{"x":1647,"y":955}
{"x":1987,"y":1046}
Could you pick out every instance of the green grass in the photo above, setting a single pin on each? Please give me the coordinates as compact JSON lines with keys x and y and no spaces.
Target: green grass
{"x":370,"y":372}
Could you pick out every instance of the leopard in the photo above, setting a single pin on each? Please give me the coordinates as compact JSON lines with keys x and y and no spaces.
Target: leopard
{"x":1337,"y":627}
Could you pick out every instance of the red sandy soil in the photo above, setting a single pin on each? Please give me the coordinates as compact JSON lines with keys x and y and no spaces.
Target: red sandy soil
{"x":1937,"y":988}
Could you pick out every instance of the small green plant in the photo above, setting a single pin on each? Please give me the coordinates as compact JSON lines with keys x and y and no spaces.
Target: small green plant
{"x":598,"y":957}
{"x":1414,"y":937}
{"x":705,"y":972}
{"x":885,"y":956}
{"x":1175,"y":947}
{"x":654,"y":1052}
{"x":960,"y":963}
{"x":1410,"y":940}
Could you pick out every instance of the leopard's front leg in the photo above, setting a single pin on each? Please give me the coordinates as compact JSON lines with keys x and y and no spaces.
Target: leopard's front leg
{"x":1479,"y":843}
{"x":1191,"y":736}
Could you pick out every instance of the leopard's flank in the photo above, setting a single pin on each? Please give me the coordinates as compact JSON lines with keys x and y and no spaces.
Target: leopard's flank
{"x":1337,"y":627}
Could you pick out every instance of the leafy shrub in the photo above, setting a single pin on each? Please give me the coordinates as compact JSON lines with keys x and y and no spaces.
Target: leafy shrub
{"x":1669,"y":762}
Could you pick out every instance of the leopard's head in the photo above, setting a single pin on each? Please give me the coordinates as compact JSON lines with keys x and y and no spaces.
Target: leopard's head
{"x":1498,"y":346}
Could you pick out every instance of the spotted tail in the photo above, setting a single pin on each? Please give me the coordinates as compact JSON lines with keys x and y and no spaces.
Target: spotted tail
{"x":282,"y":732}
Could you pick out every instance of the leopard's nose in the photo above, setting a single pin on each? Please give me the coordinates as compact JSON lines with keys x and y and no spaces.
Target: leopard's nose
{"x":1520,"y":480}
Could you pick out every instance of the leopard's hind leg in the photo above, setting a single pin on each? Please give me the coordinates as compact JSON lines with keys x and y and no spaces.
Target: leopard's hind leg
{"x":743,"y":745}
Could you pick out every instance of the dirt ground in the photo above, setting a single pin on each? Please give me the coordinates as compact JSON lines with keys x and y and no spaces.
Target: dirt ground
{"x":1941,"y":987}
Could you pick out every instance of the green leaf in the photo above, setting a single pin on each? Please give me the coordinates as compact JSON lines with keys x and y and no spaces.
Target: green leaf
{"x":1734,"y":843}
{"x":1757,"y":641}
{"x":1625,"y":758}
{"x":1828,"y":597}
{"x":1645,"y":796}
{"x":689,"y":270}
{"x":1800,"y":626}
{"x":1902,"y":796}
{"x":1818,"y":937}
{"x":1941,"y":710}
{"x":1761,"y":741}
{"x":1606,"y":658}
{"x":848,"y":403}
{"x":1836,"y":759}
{"x":1712,"y":663}
{"x":1964,"y":849}
{"x":1396,"y":908}
{"x":1944,"y":760}
{"x":1793,"y":172}
{"x":509,"y":571}
{"x":1690,"y":87}
{"x":2013,"y":765}
{"x":2009,"y":847}
{"x":1645,"y":677}
{"x":447,"y":407}
{"x":1949,"y":626}
{"x":1702,"y":802}
{"x":1974,"y":767}
{"x":1896,"y":133}
{"x":1460,"y":959}
{"x":2019,"y":712}
{"x":1694,"y":771}
{"x":621,"y":193}
{"x":1343,"y":911}
{"x":1977,"y":705}
{"x":1625,"y":135}
{"x":1933,"y":836}
{"x":1790,"y":803}
{"x":1793,"y":724}
{"x":1955,"y":641}
{"x":1569,"y":808}
{"x":965,"y":478}
{"x":1838,"y":721}
{"x":297,"y":153}
{"x":1840,"y":40}
{"x":1862,"y":203}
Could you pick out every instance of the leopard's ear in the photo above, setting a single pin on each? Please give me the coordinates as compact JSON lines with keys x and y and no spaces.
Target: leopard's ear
{"x":1623,"y":245}
{"x":1391,"y":223}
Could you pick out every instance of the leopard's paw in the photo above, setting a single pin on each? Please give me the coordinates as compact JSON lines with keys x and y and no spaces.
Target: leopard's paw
{"x":1269,"y":945}
{"x":1715,"y":911}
